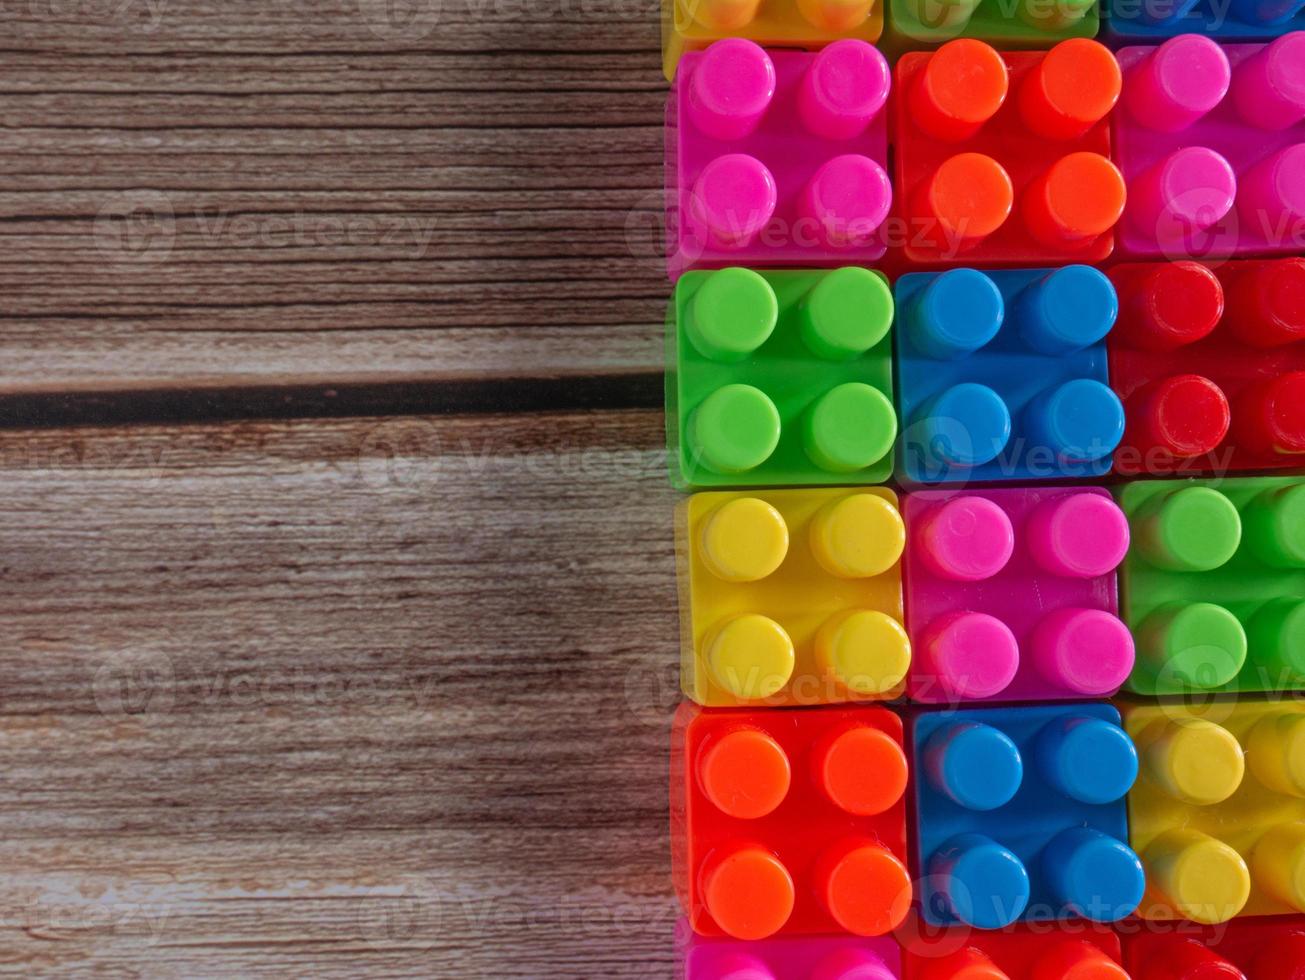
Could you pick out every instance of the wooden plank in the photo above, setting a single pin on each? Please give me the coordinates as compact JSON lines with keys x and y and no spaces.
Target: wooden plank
{"x":292,"y":698}
{"x":242,"y":193}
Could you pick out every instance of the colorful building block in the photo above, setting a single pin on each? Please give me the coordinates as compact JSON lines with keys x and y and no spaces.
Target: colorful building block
{"x":1245,"y":949}
{"x":1210,"y":364}
{"x":781,"y":378}
{"x":1087,"y":951}
{"x":1214,"y":585}
{"x":789,"y":958}
{"x":776,"y":158}
{"x":1022,"y":24}
{"x":1020,"y":815}
{"x":1011,"y":595}
{"x":1153,"y":21}
{"x":966,"y":156}
{"x":1212,"y":142}
{"x":792,"y":597}
{"x":1218,"y":813}
{"x":789,"y":822}
{"x":1003,"y":375}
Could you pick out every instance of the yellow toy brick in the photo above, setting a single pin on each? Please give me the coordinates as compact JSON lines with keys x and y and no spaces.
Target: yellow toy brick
{"x":792,"y":597}
{"x":1218,"y":812}
{"x":689,"y":25}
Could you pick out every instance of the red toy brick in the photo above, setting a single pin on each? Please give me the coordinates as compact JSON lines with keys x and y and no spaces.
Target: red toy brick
{"x":1210,"y":365}
{"x":968,"y":155}
{"x":1244,"y":949}
{"x":789,"y":822}
{"x":1077,"y":951}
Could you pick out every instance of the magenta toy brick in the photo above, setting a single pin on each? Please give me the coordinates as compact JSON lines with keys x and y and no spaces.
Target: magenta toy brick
{"x":1011,"y":595}
{"x":776,"y":158}
{"x":816,"y":958}
{"x":1211,"y":140}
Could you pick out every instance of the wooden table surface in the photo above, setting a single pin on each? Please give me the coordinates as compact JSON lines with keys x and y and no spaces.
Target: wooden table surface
{"x":338,"y":592}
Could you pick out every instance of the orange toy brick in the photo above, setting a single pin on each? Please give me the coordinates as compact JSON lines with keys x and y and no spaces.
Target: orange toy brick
{"x":789,"y":822}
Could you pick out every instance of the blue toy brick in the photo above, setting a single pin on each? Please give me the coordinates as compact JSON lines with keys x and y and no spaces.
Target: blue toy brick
{"x":1020,"y":815}
{"x":1154,"y":21}
{"x":1003,"y":375}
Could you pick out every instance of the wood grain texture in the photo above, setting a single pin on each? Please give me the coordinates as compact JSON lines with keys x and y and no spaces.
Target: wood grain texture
{"x":199,"y":193}
{"x":337,"y":698}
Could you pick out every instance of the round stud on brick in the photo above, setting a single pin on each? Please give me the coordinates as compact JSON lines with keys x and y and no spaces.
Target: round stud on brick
{"x":1269,"y":416}
{"x":964,"y":201}
{"x":1193,"y":760}
{"x":836,"y":16}
{"x":1198,"y":645}
{"x":1278,"y":864}
{"x":1281,"y":959}
{"x":846,"y":202}
{"x":1068,"y":309}
{"x":861,"y":770}
{"x":1186,"y":193}
{"x":1276,"y":639}
{"x":745,"y":773}
{"x":1275,"y":527}
{"x":966,"y":425}
{"x":1276,"y":753}
{"x":1267,"y":307}
{"x":733,"y":200}
{"x":731,"y":89}
{"x":979,"y":882}
{"x":956,"y":314}
{"x":1175,"y":304}
{"x":750,"y":656}
{"x":863,"y":886}
{"x":962,"y":85}
{"x":968,"y":655}
{"x":1078,"y":535}
{"x":1272,"y":193}
{"x":1177,"y":84}
{"x":748,"y":892}
{"x":1204,"y":879}
{"x":965,"y":539}
{"x":964,"y":964}
{"x":1088,"y":651}
{"x":849,"y":428}
{"x":848,"y":964}
{"x":1086,"y":759}
{"x":846,"y":313}
{"x":1081,"y":421}
{"x":735,"y":429}
{"x":724,"y":15}
{"x":1183,"y":417}
{"x":844,"y":89}
{"x":733,"y":313}
{"x":744,"y":540}
{"x":864,"y":652}
{"x":858,"y":536}
{"x":1076,"y":201}
{"x":1070,"y":90}
{"x":1193,"y":529}
{"x":1188,"y":960}
{"x":1268,"y":88}
{"x":975,"y":765}
{"x":1093,"y":875}
{"x":1077,"y":959}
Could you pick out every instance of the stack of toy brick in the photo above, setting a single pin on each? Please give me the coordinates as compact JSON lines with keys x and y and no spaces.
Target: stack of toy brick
{"x":1054,"y":294}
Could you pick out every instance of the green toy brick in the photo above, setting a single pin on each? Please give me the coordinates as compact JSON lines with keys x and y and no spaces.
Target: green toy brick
{"x":1214,"y":585}
{"x":1007,"y":24}
{"x":780,"y":378}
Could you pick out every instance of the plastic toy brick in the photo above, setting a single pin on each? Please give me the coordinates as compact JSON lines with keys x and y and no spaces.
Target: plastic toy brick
{"x":1210,"y":141}
{"x":982,"y":178}
{"x":1246,"y":949}
{"x":1218,"y":813}
{"x":789,"y":822}
{"x":1025,"y":24}
{"x":1214,"y":585}
{"x":1210,"y":364}
{"x":792,"y":597}
{"x":1002,"y":375}
{"x":777,"y":158}
{"x":1152,"y":21}
{"x":781,"y":378}
{"x":1011,"y":595}
{"x":1021,"y":815}
{"x":795,"y":958}
{"x":693,"y":24}
{"x":1085,"y":952}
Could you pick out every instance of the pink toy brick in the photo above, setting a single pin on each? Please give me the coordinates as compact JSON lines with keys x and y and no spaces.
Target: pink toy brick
{"x":816,"y":958}
{"x":777,"y":158}
{"x":1212,"y":142}
{"x":1012,"y":596}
